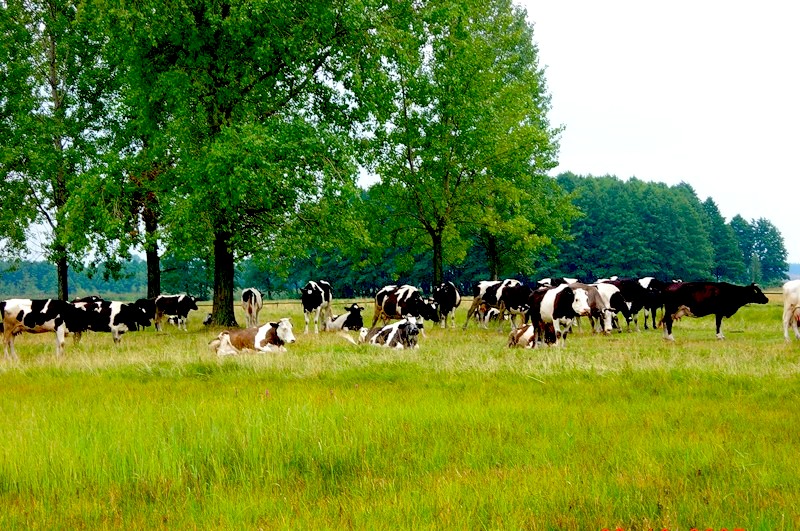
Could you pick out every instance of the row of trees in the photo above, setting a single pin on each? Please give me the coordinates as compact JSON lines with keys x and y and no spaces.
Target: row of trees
{"x":235,"y":129}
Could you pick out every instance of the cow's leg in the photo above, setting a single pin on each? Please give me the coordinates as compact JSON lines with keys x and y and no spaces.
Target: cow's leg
{"x":789,"y":317}
{"x":316,"y":319}
{"x":8,"y":342}
{"x":719,"y":326}
{"x":476,"y":302}
{"x":306,"y":315}
{"x":60,"y":340}
{"x":76,"y":337}
{"x":667,"y":321}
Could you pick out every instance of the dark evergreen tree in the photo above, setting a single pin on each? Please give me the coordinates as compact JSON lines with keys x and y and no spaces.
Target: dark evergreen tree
{"x":729,"y":262}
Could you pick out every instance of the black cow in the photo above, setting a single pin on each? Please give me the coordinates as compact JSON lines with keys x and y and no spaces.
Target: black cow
{"x":148,"y":306}
{"x":399,"y":302}
{"x":179,"y":305}
{"x":350,"y":320}
{"x":316,"y":298}
{"x":699,"y":299}
{"x":448,"y":298}
{"x":654,"y":297}
{"x":41,"y":315}
{"x":487,"y":294}
{"x":115,"y":317}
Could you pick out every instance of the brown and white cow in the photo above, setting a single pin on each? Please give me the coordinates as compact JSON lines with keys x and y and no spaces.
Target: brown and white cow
{"x":399,"y":302}
{"x":316,"y":297}
{"x":41,"y":315}
{"x":791,"y":308}
{"x":269,"y":337}
{"x":706,"y":298}
{"x":252,"y":302}
{"x":526,"y":336}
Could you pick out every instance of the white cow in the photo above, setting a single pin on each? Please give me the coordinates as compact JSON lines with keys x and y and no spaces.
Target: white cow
{"x":791,"y":308}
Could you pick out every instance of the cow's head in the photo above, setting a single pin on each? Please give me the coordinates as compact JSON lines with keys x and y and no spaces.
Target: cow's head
{"x":191,"y":302}
{"x":756,"y":295}
{"x":580,"y":302}
{"x":284,"y":330}
{"x":427,"y":309}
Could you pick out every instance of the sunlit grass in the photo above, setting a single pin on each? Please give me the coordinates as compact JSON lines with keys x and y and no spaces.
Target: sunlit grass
{"x":623,"y":431}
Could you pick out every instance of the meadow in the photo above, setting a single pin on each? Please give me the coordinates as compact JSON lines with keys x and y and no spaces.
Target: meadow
{"x":626,"y":431}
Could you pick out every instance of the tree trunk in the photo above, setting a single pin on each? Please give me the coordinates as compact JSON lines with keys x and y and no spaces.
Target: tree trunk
{"x":493,"y":257}
{"x":437,"y":258}
{"x":62,"y":271}
{"x":151,"y":251}
{"x":222,"y":310}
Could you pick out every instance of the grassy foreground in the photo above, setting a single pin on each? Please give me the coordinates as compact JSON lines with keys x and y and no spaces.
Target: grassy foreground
{"x":625,"y":431}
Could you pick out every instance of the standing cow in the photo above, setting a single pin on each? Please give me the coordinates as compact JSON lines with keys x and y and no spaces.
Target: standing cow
{"x":38,"y":316}
{"x":560,"y":306}
{"x":316,"y":299}
{"x":791,"y":308}
{"x":252,"y":302}
{"x":448,"y":298}
{"x":488,"y":294}
{"x":399,"y":302}
{"x":699,"y":299}
{"x":178,"y":305}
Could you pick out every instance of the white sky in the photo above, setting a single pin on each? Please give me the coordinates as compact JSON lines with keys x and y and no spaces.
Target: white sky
{"x":705,"y":92}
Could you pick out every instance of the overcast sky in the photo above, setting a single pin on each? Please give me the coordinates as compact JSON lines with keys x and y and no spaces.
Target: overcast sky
{"x":704,"y":92}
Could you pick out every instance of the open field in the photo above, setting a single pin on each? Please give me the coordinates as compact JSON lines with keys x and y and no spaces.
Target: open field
{"x":623,"y":431}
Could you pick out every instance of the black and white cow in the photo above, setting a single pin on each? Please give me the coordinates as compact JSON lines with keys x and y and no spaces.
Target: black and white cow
{"x":560,"y":306}
{"x":634,"y":294}
{"x":252,"y":302}
{"x":614,"y":303}
{"x":269,"y":337}
{"x":600,"y":315}
{"x":653,"y":299}
{"x":402,"y":334}
{"x":38,"y":316}
{"x":448,"y":298}
{"x":112,"y":316}
{"x":148,"y":306}
{"x":316,"y":298}
{"x":179,"y":305}
{"x":488,"y":294}
{"x":350,"y":320}
{"x":399,"y":302}
{"x":552,"y":282}
{"x":698,"y":299}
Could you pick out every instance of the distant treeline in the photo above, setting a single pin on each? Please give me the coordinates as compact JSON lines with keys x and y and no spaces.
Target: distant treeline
{"x":628,"y":228}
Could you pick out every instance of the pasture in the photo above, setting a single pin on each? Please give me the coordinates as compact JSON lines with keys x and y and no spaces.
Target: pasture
{"x":626,"y":431}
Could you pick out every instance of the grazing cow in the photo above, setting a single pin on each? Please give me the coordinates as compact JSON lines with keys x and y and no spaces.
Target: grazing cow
{"x":448,"y":298}
{"x":791,"y":308}
{"x":402,"y":334}
{"x":178,"y":305}
{"x":393,"y":302}
{"x":316,"y":298}
{"x":350,"y":320}
{"x":559,"y":306}
{"x":149,"y":307}
{"x":252,"y":302}
{"x":41,"y":315}
{"x":653,"y":302}
{"x":600,"y":315}
{"x":488,"y":293}
{"x":614,"y":303}
{"x":705,"y":298}
{"x":115,"y":317}
{"x":269,"y":337}
{"x":634,"y":294}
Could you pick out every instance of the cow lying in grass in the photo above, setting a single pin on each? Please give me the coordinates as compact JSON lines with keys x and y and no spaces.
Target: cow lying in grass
{"x":269,"y":337}
{"x":402,"y":334}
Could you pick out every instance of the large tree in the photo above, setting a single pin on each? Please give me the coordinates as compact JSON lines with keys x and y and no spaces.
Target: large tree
{"x":260,"y":97}
{"x":728,"y":259}
{"x":54,"y":96}
{"x":463,"y":139}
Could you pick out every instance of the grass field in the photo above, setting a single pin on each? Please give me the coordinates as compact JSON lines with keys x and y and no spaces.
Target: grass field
{"x":626,"y":431}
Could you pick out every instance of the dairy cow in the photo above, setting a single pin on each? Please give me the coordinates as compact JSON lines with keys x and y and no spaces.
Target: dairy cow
{"x":791,"y":308}
{"x":399,"y":335}
{"x":488,"y":294}
{"x":112,"y":316}
{"x":38,"y":316}
{"x":350,"y":320}
{"x":448,"y":299}
{"x":699,"y":299}
{"x":266,"y":338}
{"x":316,"y":299}
{"x":252,"y":302}
{"x":399,"y":302}
{"x":560,"y":306}
{"x":615,"y":303}
{"x":178,"y":305}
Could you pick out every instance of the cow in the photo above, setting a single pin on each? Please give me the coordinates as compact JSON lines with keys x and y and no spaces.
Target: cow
{"x":316,"y":299}
{"x":634,"y":294}
{"x":448,"y":298}
{"x":614,"y":303}
{"x":38,"y":316}
{"x":399,"y":335}
{"x":179,"y":305}
{"x":252,"y":302}
{"x":791,"y":308}
{"x":488,"y":293}
{"x":399,"y":302}
{"x":559,"y":306}
{"x":600,"y":315}
{"x":706,"y":298}
{"x":654,"y":288}
{"x":526,"y":336}
{"x":149,"y":307}
{"x":112,"y":316}
{"x":269,"y":337}
{"x":552,"y":282}
{"x":350,"y":320}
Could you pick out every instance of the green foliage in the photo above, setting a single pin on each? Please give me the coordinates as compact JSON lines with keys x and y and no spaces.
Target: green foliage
{"x":729,"y":264}
{"x":763,"y":249}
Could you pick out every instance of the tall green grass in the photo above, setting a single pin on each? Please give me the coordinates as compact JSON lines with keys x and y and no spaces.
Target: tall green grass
{"x":622,"y":431}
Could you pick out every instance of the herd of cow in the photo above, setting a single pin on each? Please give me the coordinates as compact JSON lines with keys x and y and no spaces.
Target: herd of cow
{"x":546,"y":312}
